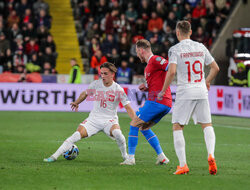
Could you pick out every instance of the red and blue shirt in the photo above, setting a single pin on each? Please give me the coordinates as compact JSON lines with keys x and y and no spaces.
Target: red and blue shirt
{"x":155,"y":73}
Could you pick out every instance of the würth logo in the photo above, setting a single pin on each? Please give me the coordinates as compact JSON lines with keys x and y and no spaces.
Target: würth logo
{"x":220,"y":97}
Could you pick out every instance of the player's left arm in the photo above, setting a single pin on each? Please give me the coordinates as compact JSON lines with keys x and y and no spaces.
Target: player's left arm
{"x":214,"y":69}
{"x":168,"y":79}
{"x":130,"y":111}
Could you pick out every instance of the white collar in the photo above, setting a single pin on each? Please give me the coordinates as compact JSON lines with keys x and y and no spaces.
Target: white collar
{"x":150,"y":57}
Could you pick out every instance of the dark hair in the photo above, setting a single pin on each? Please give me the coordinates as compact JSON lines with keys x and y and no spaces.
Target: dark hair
{"x":110,"y":66}
{"x":144,"y":44}
{"x":184,"y":27}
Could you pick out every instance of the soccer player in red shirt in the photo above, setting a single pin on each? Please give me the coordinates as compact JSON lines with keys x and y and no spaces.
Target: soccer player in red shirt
{"x":153,"y":109}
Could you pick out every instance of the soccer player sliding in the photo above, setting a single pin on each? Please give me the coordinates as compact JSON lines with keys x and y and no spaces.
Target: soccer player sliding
{"x":107,"y":95}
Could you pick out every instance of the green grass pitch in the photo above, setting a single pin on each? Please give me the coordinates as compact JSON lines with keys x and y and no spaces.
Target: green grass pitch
{"x":28,"y":137}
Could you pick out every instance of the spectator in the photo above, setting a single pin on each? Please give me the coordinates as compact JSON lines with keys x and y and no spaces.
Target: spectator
{"x":30,"y":32}
{"x":22,"y":7}
{"x":101,"y":9}
{"x":240,"y":78}
{"x":19,"y":58}
{"x":14,"y":31}
{"x":33,"y":65}
{"x":157,"y":48}
{"x":93,"y":32}
{"x":140,"y":26}
{"x":97,"y":60}
{"x":40,"y":5}
{"x":47,"y":69}
{"x":161,"y":10}
{"x":115,"y":57}
{"x":93,"y":46}
{"x":43,"y":19}
{"x":110,"y":20}
{"x":124,"y":47}
{"x":48,"y":43}
{"x":131,"y":14}
{"x":171,"y":20}
{"x":75,"y":72}
{"x":27,"y":18}
{"x":200,"y":36}
{"x":31,"y":48}
{"x":4,"y":49}
{"x":122,"y":24}
{"x":85,"y":12}
{"x":49,"y":57}
{"x":42,"y":33}
{"x":108,"y":45}
{"x":13,"y":18}
{"x":145,"y":10}
{"x":155,"y":22}
{"x":124,"y":74}
{"x":177,"y":12}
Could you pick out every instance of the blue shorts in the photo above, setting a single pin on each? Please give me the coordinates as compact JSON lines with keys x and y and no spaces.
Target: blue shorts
{"x":152,"y":111}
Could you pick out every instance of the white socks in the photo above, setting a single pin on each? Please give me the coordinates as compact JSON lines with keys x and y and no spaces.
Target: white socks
{"x":179,"y":145}
{"x":121,"y":142}
{"x":209,"y":137}
{"x":67,"y":144}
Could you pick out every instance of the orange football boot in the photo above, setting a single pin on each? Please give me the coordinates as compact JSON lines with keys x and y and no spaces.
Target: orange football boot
{"x":182,"y":170}
{"x":212,"y":165}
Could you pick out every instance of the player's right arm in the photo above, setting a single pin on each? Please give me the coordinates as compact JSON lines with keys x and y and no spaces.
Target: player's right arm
{"x":214,"y":69}
{"x":130,"y":111}
{"x":90,"y":91}
{"x":81,"y":98}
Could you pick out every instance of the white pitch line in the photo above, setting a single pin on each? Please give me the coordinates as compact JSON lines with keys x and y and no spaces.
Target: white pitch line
{"x":223,"y":126}
{"x":232,"y":127}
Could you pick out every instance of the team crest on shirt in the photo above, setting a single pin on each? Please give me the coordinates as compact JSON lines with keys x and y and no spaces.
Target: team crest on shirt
{"x":111,"y":98}
{"x":158,"y":59}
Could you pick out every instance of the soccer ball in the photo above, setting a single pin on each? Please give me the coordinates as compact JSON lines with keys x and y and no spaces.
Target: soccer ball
{"x":72,"y":153}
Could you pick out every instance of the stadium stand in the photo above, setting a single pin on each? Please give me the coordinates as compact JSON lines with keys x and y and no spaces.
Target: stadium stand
{"x":128,"y":21}
{"x":26,"y":44}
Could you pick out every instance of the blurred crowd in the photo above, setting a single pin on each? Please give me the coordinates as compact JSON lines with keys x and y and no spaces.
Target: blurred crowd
{"x":110,"y":28}
{"x":26,"y":44}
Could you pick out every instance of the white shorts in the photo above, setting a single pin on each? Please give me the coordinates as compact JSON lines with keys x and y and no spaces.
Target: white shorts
{"x":95,"y":126}
{"x":199,"y":109}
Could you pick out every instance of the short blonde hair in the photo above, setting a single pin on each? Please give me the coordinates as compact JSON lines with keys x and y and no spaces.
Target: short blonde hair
{"x":144,"y":44}
{"x":184,"y":27}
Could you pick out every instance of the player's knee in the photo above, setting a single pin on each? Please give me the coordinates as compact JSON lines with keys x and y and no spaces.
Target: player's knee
{"x":204,"y":125}
{"x":136,"y":122}
{"x":82,"y":131}
{"x":117,"y":133}
{"x":177,"y":126}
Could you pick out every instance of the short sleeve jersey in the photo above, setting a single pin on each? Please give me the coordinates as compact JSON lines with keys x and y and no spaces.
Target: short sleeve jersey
{"x":190,"y":57}
{"x":155,"y":73}
{"x":106,"y":99}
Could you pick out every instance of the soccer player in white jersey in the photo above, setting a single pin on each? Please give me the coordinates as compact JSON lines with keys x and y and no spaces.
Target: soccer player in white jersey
{"x":188,"y":59}
{"x":107,"y":95}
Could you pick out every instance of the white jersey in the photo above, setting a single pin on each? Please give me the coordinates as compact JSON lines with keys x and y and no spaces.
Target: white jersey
{"x":190,"y":57}
{"x":106,"y":100}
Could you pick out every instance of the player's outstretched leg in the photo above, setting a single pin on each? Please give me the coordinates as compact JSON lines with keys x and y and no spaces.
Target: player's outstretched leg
{"x":179,"y":145}
{"x":121,"y":142}
{"x":132,"y":143}
{"x":64,"y":147}
{"x":209,"y":137}
{"x":154,"y":142}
